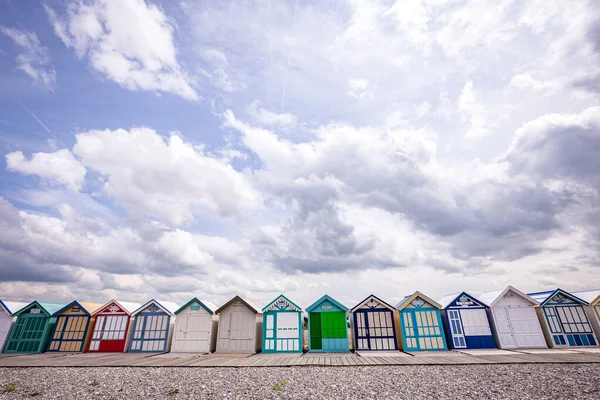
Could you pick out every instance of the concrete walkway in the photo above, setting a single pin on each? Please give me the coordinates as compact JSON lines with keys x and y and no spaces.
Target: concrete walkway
{"x":461,"y":357}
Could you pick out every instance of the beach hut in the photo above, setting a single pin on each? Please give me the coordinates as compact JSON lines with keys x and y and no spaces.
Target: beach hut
{"x":70,"y":332}
{"x":327,"y":326}
{"x":466,"y":322}
{"x":420,"y":324}
{"x":152,"y":326}
{"x":32,"y":328}
{"x":193,"y":327}
{"x":111,"y":326}
{"x":593,"y":310}
{"x":514,"y":319}
{"x":282,"y":327}
{"x":6,"y":319}
{"x":374,"y":328}
{"x":239,"y":327}
{"x":564,"y":314}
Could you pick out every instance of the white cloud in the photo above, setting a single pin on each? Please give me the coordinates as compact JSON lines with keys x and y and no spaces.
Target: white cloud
{"x":35,"y":59}
{"x":168,"y":179}
{"x":130,"y":42}
{"x":526,"y":81}
{"x":473,"y":112}
{"x":269,"y":118}
{"x":58,"y":167}
{"x":358,"y":88}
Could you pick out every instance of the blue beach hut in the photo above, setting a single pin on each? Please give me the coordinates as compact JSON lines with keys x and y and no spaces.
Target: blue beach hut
{"x":420,"y":323}
{"x":327,"y":326}
{"x":374,"y":328}
{"x":152,"y":327}
{"x":565,"y":317}
{"x":466,"y":322}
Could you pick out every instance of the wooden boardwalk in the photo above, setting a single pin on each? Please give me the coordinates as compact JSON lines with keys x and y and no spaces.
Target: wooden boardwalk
{"x":470,"y":357}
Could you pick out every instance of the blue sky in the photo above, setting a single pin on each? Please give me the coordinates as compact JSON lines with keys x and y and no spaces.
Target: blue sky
{"x":190,"y":148}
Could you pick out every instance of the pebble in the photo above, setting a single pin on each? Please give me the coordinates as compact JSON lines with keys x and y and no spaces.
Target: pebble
{"x":522,"y":381}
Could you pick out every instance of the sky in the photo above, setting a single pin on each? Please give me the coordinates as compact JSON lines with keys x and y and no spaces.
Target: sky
{"x":215,"y":148}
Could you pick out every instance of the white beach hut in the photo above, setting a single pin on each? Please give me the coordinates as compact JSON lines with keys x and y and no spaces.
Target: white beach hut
{"x":240,"y":322}
{"x":514,"y":319}
{"x":193,"y":327}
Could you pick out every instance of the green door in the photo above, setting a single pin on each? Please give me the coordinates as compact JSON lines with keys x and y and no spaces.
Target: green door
{"x":315,"y":331}
{"x":28,"y":334}
{"x":334,"y":325}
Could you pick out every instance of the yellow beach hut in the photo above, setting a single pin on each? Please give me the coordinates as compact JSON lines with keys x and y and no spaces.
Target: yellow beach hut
{"x":72,"y":327}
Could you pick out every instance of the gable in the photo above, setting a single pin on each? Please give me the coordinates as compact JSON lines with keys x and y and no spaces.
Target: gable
{"x":418,"y":300}
{"x":111,"y":308}
{"x":32,"y":308}
{"x":152,"y":307}
{"x":73,"y":308}
{"x":326,"y":304}
{"x":557,"y":297}
{"x":464,"y":300}
{"x":372,"y":302}
{"x":238,"y":300}
{"x":282,"y":303}
{"x":195,"y":306}
{"x":562,"y":298}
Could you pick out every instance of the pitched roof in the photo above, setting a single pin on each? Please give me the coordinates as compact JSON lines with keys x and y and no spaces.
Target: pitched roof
{"x":12,"y":306}
{"x":450,"y":298}
{"x":166,"y":307}
{"x":546,"y":296}
{"x":48,"y":308}
{"x":247,"y":303}
{"x":591,"y":296}
{"x":322,"y":299}
{"x":404,"y":302}
{"x":87,"y":307}
{"x":208,"y":306}
{"x":383,"y":303}
{"x":281,"y":296}
{"x":126,"y":306}
{"x":491,"y":298}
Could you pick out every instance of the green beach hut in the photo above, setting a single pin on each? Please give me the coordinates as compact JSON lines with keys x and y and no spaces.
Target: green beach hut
{"x":32,"y":329}
{"x":327,"y":326}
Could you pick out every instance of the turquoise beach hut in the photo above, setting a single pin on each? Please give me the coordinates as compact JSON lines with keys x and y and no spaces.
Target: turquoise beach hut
{"x":282,"y":326}
{"x":327,"y":326}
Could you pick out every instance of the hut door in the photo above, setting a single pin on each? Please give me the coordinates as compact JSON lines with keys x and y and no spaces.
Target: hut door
{"x":361,"y":330}
{"x":197,"y":332}
{"x":316,"y":339}
{"x":576,"y":326}
{"x":69,"y":333}
{"x":287,"y":331}
{"x":5,"y":322}
{"x":181,"y":331}
{"x":458,"y":336}
{"x":504,"y":327}
{"x":270,"y":332}
{"x":27,"y":334}
{"x":381,"y":330}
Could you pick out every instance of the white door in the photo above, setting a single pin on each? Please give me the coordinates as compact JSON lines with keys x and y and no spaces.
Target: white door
{"x":241,"y":334}
{"x":5,"y":322}
{"x":503,"y":328}
{"x":179,"y":336}
{"x":198,"y":332}
{"x":456,"y":329}
{"x":526,"y":327}
{"x":475,"y":322}
{"x":270,"y":332}
{"x":288,"y":332}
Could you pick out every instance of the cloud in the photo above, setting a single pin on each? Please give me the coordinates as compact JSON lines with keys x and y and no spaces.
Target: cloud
{"x":169,"y":179}
{"x":473,"y":112}
{"x":358,"y":88}
{"x":35,"y":58}
{"x":130,"y":42}
{"x":59,"y":167}
{"x":269,"y":118}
